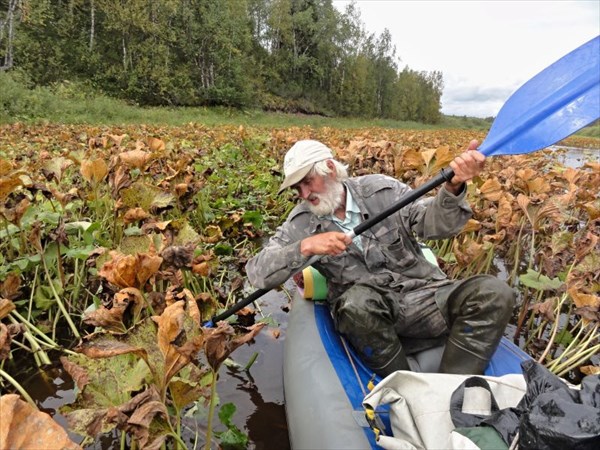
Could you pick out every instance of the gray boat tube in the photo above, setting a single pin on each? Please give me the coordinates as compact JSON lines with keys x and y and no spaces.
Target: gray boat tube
{"x":318,"y":411}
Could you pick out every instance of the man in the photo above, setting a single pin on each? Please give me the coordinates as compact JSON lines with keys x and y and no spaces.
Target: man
{"x":385,"y":297}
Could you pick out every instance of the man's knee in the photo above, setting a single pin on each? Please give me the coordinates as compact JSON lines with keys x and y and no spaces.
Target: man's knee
{"x":497,"y":293}
{"x":482,"y":294}
{"x":361,"y":307}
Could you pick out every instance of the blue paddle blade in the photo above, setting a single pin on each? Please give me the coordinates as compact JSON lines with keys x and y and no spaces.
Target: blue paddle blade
{"x":554,"y":104}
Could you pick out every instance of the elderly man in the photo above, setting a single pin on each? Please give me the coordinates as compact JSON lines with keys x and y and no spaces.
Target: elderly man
{"x":385,"y":297}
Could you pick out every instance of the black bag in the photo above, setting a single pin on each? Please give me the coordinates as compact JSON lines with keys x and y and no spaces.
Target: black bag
{"x":551,"y":415}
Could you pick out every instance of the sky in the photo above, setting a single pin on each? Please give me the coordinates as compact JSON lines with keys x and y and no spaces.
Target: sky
{"x":485,"y":49}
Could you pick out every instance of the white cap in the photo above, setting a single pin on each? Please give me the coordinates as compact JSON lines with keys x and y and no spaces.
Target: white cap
{"x":300,"y":159}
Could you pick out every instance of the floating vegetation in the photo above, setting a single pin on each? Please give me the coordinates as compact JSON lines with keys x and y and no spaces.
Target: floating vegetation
{"x":116,"y":245}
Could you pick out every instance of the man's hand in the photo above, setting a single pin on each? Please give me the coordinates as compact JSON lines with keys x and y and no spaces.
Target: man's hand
{"x":465,"y":166}
{"x":330,"y":243}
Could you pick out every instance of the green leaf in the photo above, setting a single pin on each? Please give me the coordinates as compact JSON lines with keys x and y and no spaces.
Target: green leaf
{"x":223,"y":249}
{"x":81,"y":253}
{"x":539,"y":282}
{"x":254,"y":217}
{"x":74,"y":227}
{"x":233,"y":438}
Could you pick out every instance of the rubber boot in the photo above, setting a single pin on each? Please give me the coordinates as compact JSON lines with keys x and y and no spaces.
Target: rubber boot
{"x":363,"y":316}
{"x":457,"y":359}
{"x":479,"y":309}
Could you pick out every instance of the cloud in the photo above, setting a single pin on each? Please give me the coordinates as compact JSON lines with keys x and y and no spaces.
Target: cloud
{"x":464,"y":97}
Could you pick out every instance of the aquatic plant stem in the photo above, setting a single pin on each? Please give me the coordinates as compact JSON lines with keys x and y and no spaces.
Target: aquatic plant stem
{"x":554,"y":329}
{"x":60,"y":303}
{"x":211,"y":408}
{"x":36,"y":349}
{"x":576,"y":360}
{"x":18,"y":387}
{"x":580,"y":353}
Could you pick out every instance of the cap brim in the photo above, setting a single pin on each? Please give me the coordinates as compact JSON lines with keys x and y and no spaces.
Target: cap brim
{"x":294,"y":178}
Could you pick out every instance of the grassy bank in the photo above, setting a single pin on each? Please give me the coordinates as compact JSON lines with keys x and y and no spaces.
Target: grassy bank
{"x":78,"y":103}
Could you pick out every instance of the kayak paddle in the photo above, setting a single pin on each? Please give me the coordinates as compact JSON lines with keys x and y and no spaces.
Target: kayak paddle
{"x":551,"y":106}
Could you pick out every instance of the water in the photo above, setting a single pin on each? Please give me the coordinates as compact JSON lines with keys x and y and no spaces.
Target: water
{"x":257,"y":394}
{"x":260,"y":403}
{"x":576,"y":157}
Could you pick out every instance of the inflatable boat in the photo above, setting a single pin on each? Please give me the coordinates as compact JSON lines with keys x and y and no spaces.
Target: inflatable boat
{"x":325,"y":381}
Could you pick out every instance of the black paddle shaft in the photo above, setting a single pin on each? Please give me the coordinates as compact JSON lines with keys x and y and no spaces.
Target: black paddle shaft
{"x":445,"y":175}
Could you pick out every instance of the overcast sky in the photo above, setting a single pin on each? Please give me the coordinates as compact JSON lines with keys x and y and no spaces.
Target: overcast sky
{"x":485,"y":49}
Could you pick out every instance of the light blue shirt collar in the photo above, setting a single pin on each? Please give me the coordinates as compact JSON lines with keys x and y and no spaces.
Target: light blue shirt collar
{"x":352,"y":218}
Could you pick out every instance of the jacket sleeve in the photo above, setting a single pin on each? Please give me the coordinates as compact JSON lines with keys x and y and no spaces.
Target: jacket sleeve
{"x":440,"y":217}
{"x":278,"y":260}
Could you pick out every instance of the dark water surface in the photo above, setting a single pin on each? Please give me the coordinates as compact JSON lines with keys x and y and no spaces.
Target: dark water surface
{"x":257,"y":394}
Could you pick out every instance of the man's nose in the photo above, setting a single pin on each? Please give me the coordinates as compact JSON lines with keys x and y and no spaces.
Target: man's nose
{"x":303,"y":191}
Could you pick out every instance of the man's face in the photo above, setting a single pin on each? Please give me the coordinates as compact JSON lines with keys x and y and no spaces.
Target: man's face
{"x":324,"y":194}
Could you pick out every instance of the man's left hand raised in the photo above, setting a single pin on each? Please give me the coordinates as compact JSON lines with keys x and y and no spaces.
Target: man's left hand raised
{"x":466,"y":166}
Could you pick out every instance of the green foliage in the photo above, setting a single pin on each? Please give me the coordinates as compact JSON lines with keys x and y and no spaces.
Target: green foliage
{"x":282,"y":55}
{"x":233,"y":438}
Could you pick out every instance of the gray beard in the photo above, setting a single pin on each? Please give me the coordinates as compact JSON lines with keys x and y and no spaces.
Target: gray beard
{"x":330,"y":201}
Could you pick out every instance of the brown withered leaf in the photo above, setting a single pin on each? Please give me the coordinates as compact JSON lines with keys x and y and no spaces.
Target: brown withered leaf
{"x":181,"y":189}
{"x":5,"y":340}
{"x":428,"y":155}
{"x":526,"y":174}
{"x":54,"y":168}
{"x":8,"y":184}
{"x":202,"y":269}
{"x":538,"y":186}
{"x":5,"y":167}
{"x":593,"y":209}
{"x":443,"y":157}
{"x":6,"y":306}
{"x":120,"y":270}
{"x":581,"y":299}
{"x":471,"y":225}
{"x":504,"y":214}
{"x":135,"y":158}
{"x":93,"y":170}
{"x":492,"y":189}
{"x":545,"y":308}
{"x":586,"y":245}
{"x":120,"y":180}
{"x":105,"y":347}
{"x":590,"y":370}
{"x":25,"y":427}
{"x":212,"y":234}
{"x":131,"y":270}
{"x":177,"y":256}
{"x":135,"y":215}
{"x":117,"y":139}
{"x":148,"y":265}
{"x":138,"y":414}
{"x":170,"y":325}
{"x":409,"y":159}
{"x":156,"y":144}
{"x":221,"y":341}
{"x":109,"y":319}
{"x":495,"y":238}
{"x":588,"y":314}
{"x":467,"y":251}
{"x":79,"y":374}
{"x":170,"y":329}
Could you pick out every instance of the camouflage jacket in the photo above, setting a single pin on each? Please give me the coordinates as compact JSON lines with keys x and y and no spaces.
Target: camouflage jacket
{"x":391,"y":256}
